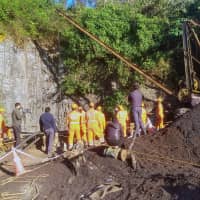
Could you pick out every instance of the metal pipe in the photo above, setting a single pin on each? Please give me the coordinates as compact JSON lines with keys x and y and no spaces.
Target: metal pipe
{"x":132,"y":65}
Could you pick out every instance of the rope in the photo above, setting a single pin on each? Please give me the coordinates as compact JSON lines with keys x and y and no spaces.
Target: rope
{"x":168,"y":159}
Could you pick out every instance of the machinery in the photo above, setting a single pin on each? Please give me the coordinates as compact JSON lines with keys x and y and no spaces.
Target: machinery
{"x":189,"y":89}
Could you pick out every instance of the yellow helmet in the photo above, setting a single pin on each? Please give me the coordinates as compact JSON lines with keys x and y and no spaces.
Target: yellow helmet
{"x":160,"y":99}
{"x":2,"y":109}
{"x":91,"y":105}
{"x":99,"y":108}
{"x":74,"y":106}
{"x":120,"y":107}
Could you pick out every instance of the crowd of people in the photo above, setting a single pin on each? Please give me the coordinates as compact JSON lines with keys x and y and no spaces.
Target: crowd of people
{"x":90,"y":127}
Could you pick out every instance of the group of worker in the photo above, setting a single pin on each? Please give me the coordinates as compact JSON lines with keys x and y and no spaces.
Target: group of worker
{"x":85,"y":126}
{"x":90,"y":126}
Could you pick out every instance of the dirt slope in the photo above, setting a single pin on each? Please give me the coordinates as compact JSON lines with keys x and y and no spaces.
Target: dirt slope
{"x":157,"y":177}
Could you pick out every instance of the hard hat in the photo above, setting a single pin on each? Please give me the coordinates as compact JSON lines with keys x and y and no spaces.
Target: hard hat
{"x":91,"y":105}
{"x":160,"y":99}
{"x":120,"y":107}
{"x":74,"y":106}
{"x":2,"y":109}
{"x":99,"y":108}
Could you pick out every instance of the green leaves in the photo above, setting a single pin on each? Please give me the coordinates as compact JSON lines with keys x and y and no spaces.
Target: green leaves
{"x":29,"y":19}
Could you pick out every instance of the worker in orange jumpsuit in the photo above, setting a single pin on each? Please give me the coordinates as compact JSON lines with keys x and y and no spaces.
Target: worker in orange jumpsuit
{"x":83,"y":126}
{"x":102,"y":120}
{"x":159,"y":114}
{"x":2,"y":123}
{"x":144,"y":114}
{"x":93,"y":128}
{"x":73,"y":123}
{"x":5,"y":132}
{"x":122,"y":117}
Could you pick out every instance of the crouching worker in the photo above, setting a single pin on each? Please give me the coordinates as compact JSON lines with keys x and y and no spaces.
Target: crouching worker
{"x":114,"y":138}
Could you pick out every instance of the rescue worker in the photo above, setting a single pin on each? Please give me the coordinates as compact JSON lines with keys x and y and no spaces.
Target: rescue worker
{"x":159,"y":114}
{"x":102,"y":120}
{"x":3,"y":128}
{"x":122,"y":117}
{"x":93,"y":125}
{"x":135,"y":99}
{"x":83,"y":127}
{"x":73,"y":124}
{"x":144,"y":114}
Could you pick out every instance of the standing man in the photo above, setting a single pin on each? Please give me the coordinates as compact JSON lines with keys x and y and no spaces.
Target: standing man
{"x":93,"y":125}
{"x":83,"y":127}
{"x":73,"y":124}
{"x":159,"y":114}
{"x":102,"y":120}
{"x":48,"y":126}
{"x":122,"y":117}
{"x":17,"y":116}
{"x":135,"y":99}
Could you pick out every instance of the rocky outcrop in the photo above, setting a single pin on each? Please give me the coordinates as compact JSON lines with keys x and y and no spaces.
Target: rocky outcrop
{"x":25,"y":78}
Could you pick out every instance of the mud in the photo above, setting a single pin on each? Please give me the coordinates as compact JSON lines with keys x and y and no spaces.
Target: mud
{"x":168,"y":168}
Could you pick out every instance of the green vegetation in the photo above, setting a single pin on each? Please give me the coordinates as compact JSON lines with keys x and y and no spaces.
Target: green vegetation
{"x":147,"y":32}
{"x":35,"y":19}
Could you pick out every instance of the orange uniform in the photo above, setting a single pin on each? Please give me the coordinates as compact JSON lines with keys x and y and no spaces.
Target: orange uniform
{"x":102,"y":120}
{"x":122,"y":117}
{"x":159,"y":114}
{"x":144,"y":115}
{"x":93,"y":125}
{"x":73,"y":121}
{"x":83,"y":127}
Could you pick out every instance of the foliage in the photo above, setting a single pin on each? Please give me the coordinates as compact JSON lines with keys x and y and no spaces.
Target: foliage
{"x":147,"y":32}
{"x":29,"y":19}
{"x":150,"y":38}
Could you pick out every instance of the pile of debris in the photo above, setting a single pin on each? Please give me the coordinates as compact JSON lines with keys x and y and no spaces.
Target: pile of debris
{"x":167,"y":168}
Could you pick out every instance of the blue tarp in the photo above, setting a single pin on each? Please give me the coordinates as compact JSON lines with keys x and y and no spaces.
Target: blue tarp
{"x":89,"y":3}
{"x":70,"y":3}
{"x":73,"y":3}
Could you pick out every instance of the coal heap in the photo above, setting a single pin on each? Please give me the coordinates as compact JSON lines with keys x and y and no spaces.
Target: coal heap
{"x":168,"y":168}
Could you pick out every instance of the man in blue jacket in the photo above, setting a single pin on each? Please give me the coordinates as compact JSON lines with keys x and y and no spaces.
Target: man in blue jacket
{"x":135,"y":99}
{"x":48,"y":126}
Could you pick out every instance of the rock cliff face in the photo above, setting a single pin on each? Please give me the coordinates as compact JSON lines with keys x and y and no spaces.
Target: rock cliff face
{"x":26,"y":79}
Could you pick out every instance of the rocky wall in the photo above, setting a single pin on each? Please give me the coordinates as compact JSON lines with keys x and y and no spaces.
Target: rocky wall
{"x":26,"y":79}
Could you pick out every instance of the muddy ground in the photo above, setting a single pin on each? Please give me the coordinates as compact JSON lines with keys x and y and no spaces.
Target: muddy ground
{"x":168,"y":168}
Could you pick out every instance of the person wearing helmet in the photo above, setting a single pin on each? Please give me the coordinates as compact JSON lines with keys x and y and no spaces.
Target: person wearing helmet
{"x":122,"y":117}
{"x":3,"y":128}
{"x":144,"y":114}
{"x":93,"y":125}
{"x":73,"y":124}
{"x":102,"y":121}
{"x":159,"y":114}
{"x":83,"y":127}
{"x":135,"y":99}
